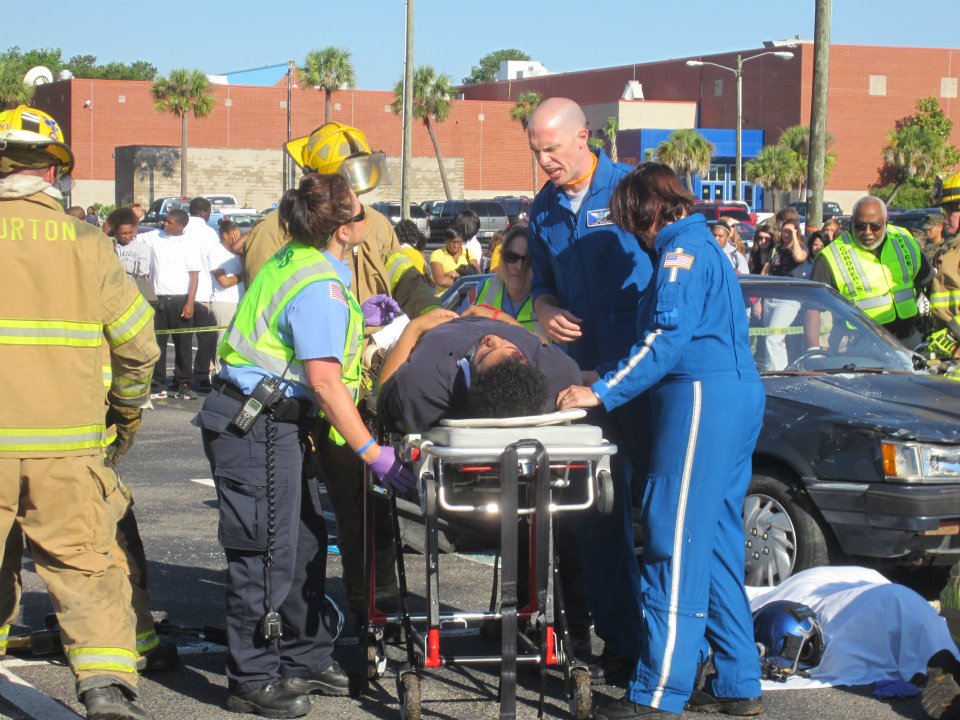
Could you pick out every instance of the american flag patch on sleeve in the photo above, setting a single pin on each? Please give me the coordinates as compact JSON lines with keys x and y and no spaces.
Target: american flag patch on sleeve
{"x":336,"y":292}
{"x":677,"y":260}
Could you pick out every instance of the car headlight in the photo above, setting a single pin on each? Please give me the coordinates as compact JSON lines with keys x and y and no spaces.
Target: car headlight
{"x":920,"y":463}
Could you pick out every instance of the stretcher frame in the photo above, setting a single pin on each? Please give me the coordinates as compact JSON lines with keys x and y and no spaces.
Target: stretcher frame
{"x":534,"y":457}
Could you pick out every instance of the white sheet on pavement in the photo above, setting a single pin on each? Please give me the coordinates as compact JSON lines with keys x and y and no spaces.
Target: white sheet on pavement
{"x":874,"y":629}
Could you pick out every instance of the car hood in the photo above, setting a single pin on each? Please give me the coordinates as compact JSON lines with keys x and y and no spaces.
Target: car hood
{"x":909,"y":406}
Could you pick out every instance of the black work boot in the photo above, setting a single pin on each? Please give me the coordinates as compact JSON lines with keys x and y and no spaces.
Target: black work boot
{"x":941,"y":695}
{"x":272,"y":700}
{"x":112,"y":703}
{"x":624,"y":709}
{"x":332,"y":681}
{"x":163,"y":657}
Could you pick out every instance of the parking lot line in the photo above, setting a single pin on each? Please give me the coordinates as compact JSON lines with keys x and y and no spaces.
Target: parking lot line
{"x":28,"y":699}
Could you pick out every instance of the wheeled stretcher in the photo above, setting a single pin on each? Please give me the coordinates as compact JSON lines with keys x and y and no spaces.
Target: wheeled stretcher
{"x":532,"y":467}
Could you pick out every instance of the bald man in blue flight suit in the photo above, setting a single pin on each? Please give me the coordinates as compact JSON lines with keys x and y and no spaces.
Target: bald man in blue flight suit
{"x":706,"y":399}
{"x":588,"y":276}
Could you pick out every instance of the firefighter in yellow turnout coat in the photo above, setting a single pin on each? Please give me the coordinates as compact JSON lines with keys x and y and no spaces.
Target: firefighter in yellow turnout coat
{"x":65,"y":293}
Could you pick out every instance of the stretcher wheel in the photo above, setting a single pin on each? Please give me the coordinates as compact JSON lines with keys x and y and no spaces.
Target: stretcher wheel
{"x":408,"y":692}
{"x":604,"y":500}
{"x":581,"y":699}
{"x":376,"y":659}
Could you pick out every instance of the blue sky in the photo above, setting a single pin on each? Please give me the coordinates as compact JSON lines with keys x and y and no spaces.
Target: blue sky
{"x":451,"y":35}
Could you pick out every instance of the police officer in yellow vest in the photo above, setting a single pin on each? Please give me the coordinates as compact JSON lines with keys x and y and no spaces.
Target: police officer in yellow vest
{"x":879,"y":267}
{"x":292,"y":348}
{"x":509,"y":290}
{"x":65,"y":293}
{"x":378,"y":266}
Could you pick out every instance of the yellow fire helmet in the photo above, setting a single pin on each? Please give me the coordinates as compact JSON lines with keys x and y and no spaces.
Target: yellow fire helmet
{"x":29,"y":138}
{"x":338,"y":148}
{"x":948,"y":191}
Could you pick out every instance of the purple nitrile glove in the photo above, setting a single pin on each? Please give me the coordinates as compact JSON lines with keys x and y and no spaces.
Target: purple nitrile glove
{"x":380,"y":310}
{"x":391,"y":473}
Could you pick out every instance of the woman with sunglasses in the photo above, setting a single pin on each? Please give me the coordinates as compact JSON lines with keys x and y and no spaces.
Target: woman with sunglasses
{"x":509,"y":290}
{"x":292,"y":350}
{"x":764,"y":247}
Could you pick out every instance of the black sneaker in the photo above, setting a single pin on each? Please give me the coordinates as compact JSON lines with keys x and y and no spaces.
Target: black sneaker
{"x":702,"y":701}
{"x":185,"y":393}
{"x":112,"y":703}
{"x":624,"y":709}
{"x":272,"y":700}
{"x":612,"y":669}
{"x":332,"y":681}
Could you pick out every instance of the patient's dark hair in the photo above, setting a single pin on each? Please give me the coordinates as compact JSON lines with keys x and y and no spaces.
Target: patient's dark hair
{"x":508,"y":389}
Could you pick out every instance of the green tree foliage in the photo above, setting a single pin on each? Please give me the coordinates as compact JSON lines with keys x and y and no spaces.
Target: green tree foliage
{"x":687,"y":152}
{"x":521,"y":111}
{"x":432,"y":95}
{"x":796,"y":140}
{"x":17,"y":62}
{"x":13,"y":91}
{"x":610,"y":130}
{"x":776,"y":169}
{"x":930,"y":116}
{"x":180,"y":93}
{"x":489,"y":64}
{"x":329,"y":69}
{"x":912,"y":194}
{"x":912,"y":151}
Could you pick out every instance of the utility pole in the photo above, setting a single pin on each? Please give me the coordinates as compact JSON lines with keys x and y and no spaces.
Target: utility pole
{"x":739,"y":180}
{"x":818,"y":113}
{"x":407,"y":117}
{"x":288,"y":163}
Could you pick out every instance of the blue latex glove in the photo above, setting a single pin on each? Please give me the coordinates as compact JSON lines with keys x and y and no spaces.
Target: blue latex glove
{"x":887,"y":689}
{"x":380,"y":310}
{"x":391,"y":473}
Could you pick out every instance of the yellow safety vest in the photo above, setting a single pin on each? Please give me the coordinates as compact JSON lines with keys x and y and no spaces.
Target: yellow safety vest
{"x":254,"y":339}
{"x":882,"y":288}
{"x":491,"y":293}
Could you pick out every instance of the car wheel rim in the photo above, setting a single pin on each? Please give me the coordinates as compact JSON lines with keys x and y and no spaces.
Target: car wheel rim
{"x":771,"y":541}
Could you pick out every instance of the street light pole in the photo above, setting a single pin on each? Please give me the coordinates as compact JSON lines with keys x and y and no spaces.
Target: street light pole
{"x":288,"y":163}
{"x":738,"y":71}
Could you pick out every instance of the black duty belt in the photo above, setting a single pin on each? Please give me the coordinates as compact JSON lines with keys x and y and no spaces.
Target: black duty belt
{"x":289,"y":409}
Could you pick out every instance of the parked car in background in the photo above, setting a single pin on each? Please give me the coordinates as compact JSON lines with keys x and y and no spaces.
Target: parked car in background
{"x":161,"y":207}
{"x":391,"y":211}
{"x":830,"y":209}
{"x":222,"y":201}
{"x":492,"y":217}
{"x":517,"y":208}
{"x":716,"y":210}
{"x":246,"y":219}
{"x":858,"y":459}
{"x":913,"y":220}
{"x":427,"y":205}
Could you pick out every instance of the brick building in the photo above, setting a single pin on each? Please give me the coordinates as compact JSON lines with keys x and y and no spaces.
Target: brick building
{"x":870,"y":89}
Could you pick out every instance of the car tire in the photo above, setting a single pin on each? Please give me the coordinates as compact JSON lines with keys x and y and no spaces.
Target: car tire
{"x":783,"y":533}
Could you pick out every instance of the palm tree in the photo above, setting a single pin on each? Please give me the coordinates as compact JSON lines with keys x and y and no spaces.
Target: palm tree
{"x":796,"y":140}
{"x":776,"y":169}
{"x":329,"y":69}
{"x":610,"y":129}
{"x":181,"y":92}
{"x":687,"y":152}
{"x":522,"y":110}
{"x":911,"y":151}
{"x":13,"y":90}
{"x":432,"y":94}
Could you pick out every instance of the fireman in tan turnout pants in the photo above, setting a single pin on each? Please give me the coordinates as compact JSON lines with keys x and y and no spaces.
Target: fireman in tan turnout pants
{"x":379,"y":267}
{"x":65,"y":293}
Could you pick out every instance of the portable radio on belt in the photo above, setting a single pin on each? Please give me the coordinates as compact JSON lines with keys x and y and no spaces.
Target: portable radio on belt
{"x":265,"y":395}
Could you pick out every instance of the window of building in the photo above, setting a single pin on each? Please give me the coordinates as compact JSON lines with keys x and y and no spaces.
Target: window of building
{"x":718,"y":87}
{"x":948,"y":87}
{"x":717,"y":173}
{"x":878,"y":85}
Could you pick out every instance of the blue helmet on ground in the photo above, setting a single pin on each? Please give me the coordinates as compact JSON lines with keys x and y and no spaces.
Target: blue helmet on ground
{"x":790,"y":638}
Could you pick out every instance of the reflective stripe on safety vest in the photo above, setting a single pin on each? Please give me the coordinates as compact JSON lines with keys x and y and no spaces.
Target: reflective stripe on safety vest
{"x":4,"y":637}
{"x":254,"y":338}
{"x":130,"y":323}
{"x":491,"y":293}
{"x":147,"y":641}
{"x":882,"y":288}
{"x":948,"y":300}
{"x":50,"y":332}
{"x":96,"y":659}
{"x":80,"y":437}
{"x":397,"y":264}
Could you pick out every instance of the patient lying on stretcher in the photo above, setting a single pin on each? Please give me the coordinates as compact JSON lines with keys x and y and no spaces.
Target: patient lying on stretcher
{"x":444,"y":366}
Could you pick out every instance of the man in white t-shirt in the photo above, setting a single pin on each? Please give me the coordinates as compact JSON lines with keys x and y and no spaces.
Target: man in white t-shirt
{"x":199,"y":234}
{"x":226,"y":269}
{"x":174,"y":267}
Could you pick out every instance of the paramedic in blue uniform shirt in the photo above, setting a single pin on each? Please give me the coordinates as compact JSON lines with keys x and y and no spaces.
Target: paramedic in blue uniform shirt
{"x":588,"y":276}
{"x":298,"y":320}
{"x":706,"y":400}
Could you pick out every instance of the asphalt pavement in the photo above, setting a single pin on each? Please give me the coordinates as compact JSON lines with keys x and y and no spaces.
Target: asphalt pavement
{"x":176,"y":509}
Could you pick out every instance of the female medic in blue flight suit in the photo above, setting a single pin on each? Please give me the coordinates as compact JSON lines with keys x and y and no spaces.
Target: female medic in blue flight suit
{"x":693,"y":355}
